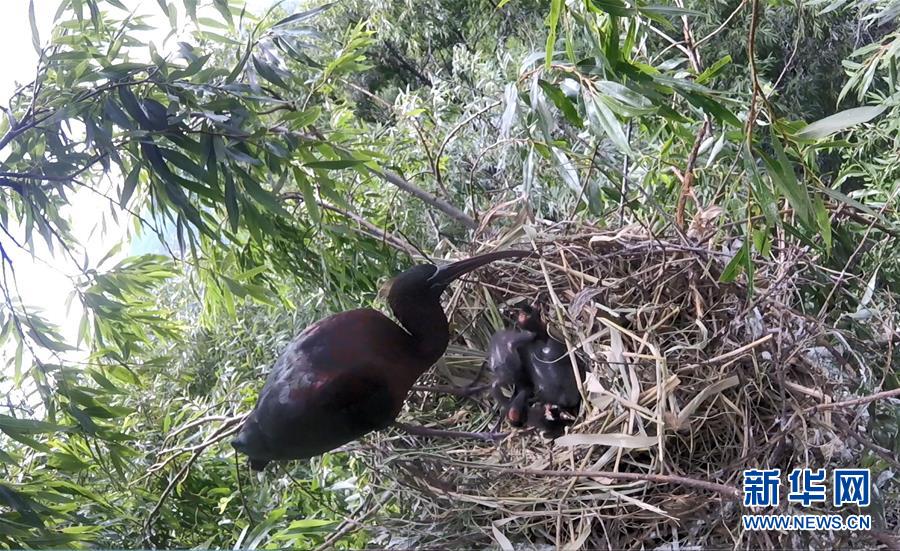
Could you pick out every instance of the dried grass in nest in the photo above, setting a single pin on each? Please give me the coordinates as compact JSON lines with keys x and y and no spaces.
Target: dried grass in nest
{"x":700,"y":381}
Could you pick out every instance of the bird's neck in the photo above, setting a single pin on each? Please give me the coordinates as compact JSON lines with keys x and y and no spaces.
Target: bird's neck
{"x":426,"y":322}
{"x":539,"y":328}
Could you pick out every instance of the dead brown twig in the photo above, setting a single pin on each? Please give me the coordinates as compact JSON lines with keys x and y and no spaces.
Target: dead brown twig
{"x":856,"y":401}
{"x":727,"y":491}
{"x":687,"y":177}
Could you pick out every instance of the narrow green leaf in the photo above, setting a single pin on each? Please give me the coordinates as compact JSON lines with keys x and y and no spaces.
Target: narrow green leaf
{"x":304,"y":15}
{"x":309,"y":196}
{"x":35,"y":38}
{"x":736,"y":265}
{"x":184,"y":163}
{"x":556,"y":7}
{"x":762,"y":242}
{"x":130,"y":184}
{"x":116,"y":115}
{"x":713,"y":70}
{"x":712,"y":107}
{"x":838,"y":196}
{"x":764,"y":197}
{"x":222,"y":7}
{"x":231,"y":203}
{"x":623,"y":94}
{"x":47,"y":341}
{"x":334,"y":165}
{"x":563,"y":103}
{"x":268,"y":72}
{"x":241,"y":63}
{"x":670,"y":11}
{"x":262,"y":196}
{"x":823,"y":222}
{"x":244,"y":290}
{"x":796,"y":192}
{"x":300,"y":119}
{"x":191,"y":7}
{"x":604,"y":121}
{"x":840,"y":121}
{"x":28,"y":426}
{"x":617,"y":8}
{"x":251,"y":273}
{"x":131,"y":105}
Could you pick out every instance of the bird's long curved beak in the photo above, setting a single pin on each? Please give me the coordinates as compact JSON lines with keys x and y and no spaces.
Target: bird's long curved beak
{"x":446,"y":274}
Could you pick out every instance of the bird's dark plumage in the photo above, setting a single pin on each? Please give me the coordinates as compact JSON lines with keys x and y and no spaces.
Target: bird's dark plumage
{"x":552,"y":377}
{"x":505,"y":363}
{"x":538,"y":367}
{"x":349,"y":374}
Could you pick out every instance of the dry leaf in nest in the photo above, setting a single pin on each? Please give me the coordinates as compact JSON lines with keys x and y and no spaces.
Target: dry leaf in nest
{"x":615,"y":440}
{"x":702,"y":226}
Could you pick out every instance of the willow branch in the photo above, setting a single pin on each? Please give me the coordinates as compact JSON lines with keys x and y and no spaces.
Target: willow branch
{"x":427,"y":198}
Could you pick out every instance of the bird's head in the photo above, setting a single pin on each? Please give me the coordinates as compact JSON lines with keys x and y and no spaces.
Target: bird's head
{"x":529,"y":319}
{"x":544,"y":417}
{"x":250,"y":441}
{"x":426,"y":282}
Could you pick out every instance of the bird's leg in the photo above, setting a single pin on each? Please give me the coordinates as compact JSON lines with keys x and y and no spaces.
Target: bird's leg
{"x":500,"y":417}
{"x":484,"y":365}
{"x":465,"y":392}
{"x":419,"y":430}
{"x":502,"y":401}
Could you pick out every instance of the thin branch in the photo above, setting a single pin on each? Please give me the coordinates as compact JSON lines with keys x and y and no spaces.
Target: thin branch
{"x":727,"y":491}
{"x":353,"y":521}
{"x":856,"y":401}
{"x":457,"y":128}
{"x":427,"y":198}
{"x":687,"y":177}
{"x":222,"y":432}
{"x":371,"y":229}
{"x":856,"y":251}
{"x":754,"y":76}
{"x":724,"y":24}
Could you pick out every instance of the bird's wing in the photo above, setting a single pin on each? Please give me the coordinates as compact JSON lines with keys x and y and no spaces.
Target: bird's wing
{"x":339,"y":379}
{"x":322,"y":416}
{"x":362,"y":400}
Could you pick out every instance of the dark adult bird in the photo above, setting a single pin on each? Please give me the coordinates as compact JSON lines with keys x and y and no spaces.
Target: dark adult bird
{"x":349,"y":374}
{"x":549,"y":369}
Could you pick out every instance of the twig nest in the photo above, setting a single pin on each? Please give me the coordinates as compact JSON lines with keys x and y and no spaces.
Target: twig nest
{"x":686,"y":375}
